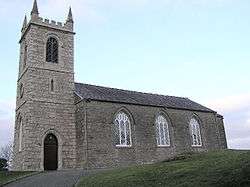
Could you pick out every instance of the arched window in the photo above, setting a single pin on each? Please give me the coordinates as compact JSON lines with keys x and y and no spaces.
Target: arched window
{"x":162,"y":131}
{"x":52,"y":50}
{"x":195,"y":132}
{"x":122,"y":130}
{"x":20,"y":134}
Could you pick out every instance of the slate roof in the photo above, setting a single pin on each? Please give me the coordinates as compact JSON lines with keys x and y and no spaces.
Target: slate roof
{"x":99,"y":93}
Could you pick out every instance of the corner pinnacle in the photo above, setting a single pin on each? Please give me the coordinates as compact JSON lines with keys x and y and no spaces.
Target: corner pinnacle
{"x":70,"y":17}
{"x":24,"y":22}
{"x":35,"y":8}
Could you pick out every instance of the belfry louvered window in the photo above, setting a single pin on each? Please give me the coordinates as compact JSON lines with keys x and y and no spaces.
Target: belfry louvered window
{"x":195,"y":132}
{"x":162,"y":131}
{"x":52,"y":50}
{"x":122,"y":130}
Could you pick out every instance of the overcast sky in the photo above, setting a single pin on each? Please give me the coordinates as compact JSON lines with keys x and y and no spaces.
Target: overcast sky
{"x":198,"y":49}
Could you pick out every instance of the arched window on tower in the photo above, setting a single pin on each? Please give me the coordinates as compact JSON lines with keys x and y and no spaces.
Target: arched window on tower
{"x":52,"y":50}
{"x":122,"y":130}
{"x":20,"y":134}
{"x":162,"y":131}
{"x":195,"y":132}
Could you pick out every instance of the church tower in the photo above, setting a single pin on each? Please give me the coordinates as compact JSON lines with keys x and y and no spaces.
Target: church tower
{"x":45,"y":135}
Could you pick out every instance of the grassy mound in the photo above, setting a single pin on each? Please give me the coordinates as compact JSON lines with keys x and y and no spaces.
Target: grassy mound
{"x":7,"y":176}
{"x":223,"y":169}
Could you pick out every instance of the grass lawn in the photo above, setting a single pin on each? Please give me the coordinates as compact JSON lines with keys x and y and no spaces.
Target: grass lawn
{"x":229,"y":168}
{"x":7,"y":176}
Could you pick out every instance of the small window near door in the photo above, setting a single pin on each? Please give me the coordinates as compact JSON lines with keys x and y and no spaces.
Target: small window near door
{"x":52,"y":87}
{"x":20,"y":135}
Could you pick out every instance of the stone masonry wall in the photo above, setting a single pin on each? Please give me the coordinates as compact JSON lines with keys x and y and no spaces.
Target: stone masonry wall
{"x":44,"y":111}
{"x":100,"y":146}
{"x":81,"y":136}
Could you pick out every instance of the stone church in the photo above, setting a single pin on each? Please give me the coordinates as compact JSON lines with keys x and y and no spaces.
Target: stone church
{"x":61,"y":124}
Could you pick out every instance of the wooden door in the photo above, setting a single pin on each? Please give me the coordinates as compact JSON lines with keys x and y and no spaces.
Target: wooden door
{"x":50,"y":152}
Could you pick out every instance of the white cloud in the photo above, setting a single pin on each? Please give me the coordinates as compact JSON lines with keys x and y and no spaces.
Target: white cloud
{"x":236,"y":112}
{"x":7,"y":112}
{"x":240,"y":143}
{"x":230,"y":103}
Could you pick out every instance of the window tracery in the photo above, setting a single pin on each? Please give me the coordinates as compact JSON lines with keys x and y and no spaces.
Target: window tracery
{"x":122,"y":130}
{"x":195,"y":132}
{"x":52,"y":50}
{"x":162,"y":131}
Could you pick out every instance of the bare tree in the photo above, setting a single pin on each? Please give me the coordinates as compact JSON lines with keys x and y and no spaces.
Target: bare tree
{"x":6,"y":152}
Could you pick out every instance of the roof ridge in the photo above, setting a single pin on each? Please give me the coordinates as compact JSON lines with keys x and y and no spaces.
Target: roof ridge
{"x":132,"y":91}
{"x":110,"y":94}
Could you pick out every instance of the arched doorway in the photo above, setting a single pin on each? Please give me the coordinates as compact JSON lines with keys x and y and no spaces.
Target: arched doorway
{"x":50,"y":152}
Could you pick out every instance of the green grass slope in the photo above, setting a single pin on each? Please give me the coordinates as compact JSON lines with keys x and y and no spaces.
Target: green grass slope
{"x":223,"y":168}
{"x":8,"y":176}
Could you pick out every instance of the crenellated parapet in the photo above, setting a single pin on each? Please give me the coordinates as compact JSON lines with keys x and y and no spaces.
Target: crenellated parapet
{"x":52,"y":23}
{"x":67,"y":26}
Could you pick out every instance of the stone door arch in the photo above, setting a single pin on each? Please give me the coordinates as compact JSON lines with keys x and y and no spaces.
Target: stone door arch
{"x":50,"y":152}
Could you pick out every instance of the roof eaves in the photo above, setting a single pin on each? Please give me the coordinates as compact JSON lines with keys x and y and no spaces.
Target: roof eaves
{"x":140,"y":104}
